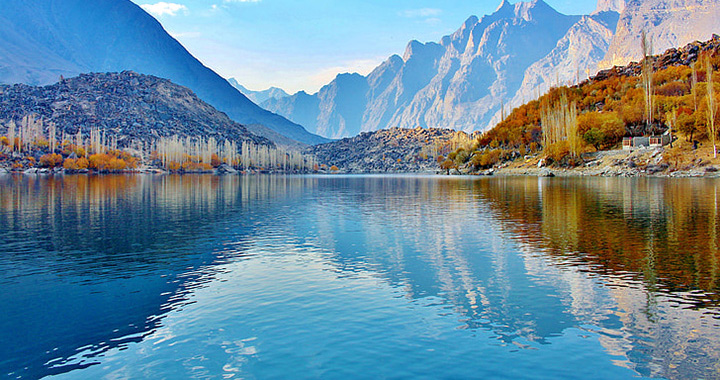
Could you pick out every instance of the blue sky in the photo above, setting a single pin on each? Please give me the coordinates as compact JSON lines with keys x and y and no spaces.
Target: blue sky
{"x":302,"y":45}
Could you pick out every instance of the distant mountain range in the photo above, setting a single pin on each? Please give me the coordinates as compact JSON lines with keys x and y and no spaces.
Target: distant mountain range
{"x":40,"y":40}
{"x":489,"y":65}
{"x":259,"y":96}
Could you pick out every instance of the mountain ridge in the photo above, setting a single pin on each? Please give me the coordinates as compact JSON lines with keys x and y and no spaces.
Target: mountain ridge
{"x":258,"y":96}
{"x":70,"y":38}
{"x":469,"y":78}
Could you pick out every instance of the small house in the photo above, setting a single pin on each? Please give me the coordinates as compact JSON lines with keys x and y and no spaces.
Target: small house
{"x":630,"y":143}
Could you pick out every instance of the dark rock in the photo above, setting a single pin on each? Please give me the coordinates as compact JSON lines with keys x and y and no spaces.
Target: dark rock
{"x":225,"y":169}
{"x":711,"y":169}
{"x":546,"y":173}
{"x":652,"y":169}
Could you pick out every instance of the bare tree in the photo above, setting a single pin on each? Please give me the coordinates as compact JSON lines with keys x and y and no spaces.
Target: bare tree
{"x":647,"y":79}
{"x":712,"y":129}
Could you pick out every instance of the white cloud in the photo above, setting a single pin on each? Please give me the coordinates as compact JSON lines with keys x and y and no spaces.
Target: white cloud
{"x":420,"y":13}
{"x":241,"y":1}
{"x":163,"y":8}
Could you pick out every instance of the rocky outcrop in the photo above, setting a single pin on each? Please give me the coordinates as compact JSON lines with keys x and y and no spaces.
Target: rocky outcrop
{"x":43,"y":39}
{"x":130,"y":106}
{"x":393,"y":150}
{"x":683,"y":56}
{"x":617,"y":6}
{"x":668,"y":23}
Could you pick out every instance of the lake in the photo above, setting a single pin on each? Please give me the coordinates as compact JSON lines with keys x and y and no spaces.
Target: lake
{"x":305,"y":277}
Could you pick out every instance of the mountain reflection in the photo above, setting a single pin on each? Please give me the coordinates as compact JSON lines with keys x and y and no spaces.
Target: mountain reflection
{"x":634,"y":261}
{"x":91,"y":263}
{"x":654,"y":241}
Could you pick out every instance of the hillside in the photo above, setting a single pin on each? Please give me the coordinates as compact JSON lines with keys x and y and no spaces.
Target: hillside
{"x":668,"y":23}
{"x":394,"y":150}
{"x":43,"y":39}
{"x":610,"y":106}
{"x":130,"y":106}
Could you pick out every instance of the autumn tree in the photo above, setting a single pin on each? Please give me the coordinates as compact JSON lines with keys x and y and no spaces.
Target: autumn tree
{"x":601,"y":129}
{"x":51,"y":160}
{"x":560,"y":127}
{"x":447,"y":165}
{"x":647,"y":79}
{"x":711,"y":106}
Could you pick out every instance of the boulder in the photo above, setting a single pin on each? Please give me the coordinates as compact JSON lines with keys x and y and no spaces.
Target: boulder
{"x":546,"y":173}
{"x":225,"y":169}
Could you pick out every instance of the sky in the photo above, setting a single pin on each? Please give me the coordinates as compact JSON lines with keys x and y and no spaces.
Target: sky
{"x":302,"y":45}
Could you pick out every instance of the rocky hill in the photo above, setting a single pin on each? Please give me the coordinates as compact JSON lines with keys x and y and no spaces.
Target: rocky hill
{"x":467,"y":80}
{"x":683,"y":56}
{"x":394,"y":150}
{"x":131,"y":106}
{"x":43,"y":39}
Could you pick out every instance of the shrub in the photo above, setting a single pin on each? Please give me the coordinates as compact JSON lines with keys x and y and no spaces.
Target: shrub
{"x":447,"y":165}
{"x":558,"y":151}
{"x":461,"y":157}
{"x":601,"y":129}
{"x":76,"y":163}
{"x":215,"y":160}
{"x":51,"y":160}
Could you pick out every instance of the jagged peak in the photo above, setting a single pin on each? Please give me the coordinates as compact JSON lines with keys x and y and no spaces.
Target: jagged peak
{"x":527,"y":10}
{"x":470,"y":22}
{"x":411,"y":48}
{"x":394,"y":59}
{"x":610,"y":6}
{"x":505,"y":4}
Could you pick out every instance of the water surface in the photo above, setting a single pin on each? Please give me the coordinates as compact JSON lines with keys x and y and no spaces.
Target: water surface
{"x":358,"y":277}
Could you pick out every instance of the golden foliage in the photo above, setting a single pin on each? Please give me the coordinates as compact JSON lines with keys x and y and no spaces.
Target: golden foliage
{"x":51,"y":160}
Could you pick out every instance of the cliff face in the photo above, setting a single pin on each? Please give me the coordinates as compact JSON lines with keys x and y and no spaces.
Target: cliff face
{"x":668,"y":23}
{"x":574,"y":58}
{"x":131,"y":106}
{"x":43,"y":39}
{"x":617,"y":6}
{"x":459,"y":82}
{"x":500,"y":61}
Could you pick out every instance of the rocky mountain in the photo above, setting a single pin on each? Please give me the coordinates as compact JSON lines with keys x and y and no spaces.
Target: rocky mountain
{"x":459,"y":82}
{"x":469,"y":79}
{"x":575,"y":57}
{"x":617,"y":6}
{"x":43,"y":39}
{"x":130,"y":106}
{"x":394,"y":150}
{"x":259,"y":96}
{"x":668,"y":23}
